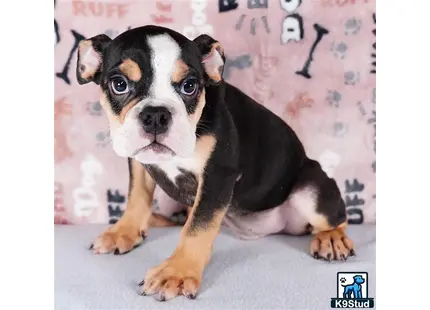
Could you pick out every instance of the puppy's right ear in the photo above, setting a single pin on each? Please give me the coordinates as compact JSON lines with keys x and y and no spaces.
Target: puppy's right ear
{"x":213,"y":58}
{"x":90,"y":59}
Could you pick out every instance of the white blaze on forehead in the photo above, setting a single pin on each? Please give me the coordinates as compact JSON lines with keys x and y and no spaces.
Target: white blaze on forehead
{"x":164,"y":54}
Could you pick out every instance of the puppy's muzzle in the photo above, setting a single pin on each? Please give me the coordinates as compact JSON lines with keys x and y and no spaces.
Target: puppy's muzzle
{"x":155,"y":120}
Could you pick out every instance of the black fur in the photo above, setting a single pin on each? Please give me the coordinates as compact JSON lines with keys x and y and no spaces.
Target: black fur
{"x":183,"y":190}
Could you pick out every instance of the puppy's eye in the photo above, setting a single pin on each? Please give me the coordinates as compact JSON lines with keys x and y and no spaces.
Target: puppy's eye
{"x":119,"y":85}
{"x":189,"y":87}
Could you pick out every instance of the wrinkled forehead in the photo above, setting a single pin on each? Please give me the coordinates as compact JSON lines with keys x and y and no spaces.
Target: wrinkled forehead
{"x":147,"y":55}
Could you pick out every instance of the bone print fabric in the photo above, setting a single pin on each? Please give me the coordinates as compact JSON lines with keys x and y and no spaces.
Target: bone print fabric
{"x":312,"y":62}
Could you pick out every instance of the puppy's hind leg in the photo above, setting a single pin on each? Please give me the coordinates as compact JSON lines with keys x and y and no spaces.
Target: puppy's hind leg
{"x":317,"y":198}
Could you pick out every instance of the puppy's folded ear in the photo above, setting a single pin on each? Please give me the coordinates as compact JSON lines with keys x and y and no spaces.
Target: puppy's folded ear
{"x":213,"y":58}
{"x":90,"y":58}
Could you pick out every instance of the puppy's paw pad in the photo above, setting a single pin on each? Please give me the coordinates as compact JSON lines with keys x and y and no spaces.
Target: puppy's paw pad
{"x":119,"y":240}
{"x":332,"y":245}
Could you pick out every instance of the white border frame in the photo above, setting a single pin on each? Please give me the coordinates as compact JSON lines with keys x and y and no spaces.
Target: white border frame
{"x":402,"y":167}
{"x":403,"y":155}
{"x":27,"y":155}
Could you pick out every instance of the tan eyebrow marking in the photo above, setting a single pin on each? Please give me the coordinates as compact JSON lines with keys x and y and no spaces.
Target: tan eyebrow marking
{"x":131,"y":69}
{"x":180,"y":71}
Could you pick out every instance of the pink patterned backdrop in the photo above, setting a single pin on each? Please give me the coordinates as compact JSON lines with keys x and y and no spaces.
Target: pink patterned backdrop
{"x":312,"y":62}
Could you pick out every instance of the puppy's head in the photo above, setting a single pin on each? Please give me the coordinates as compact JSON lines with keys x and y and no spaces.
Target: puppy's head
{"x":152,"y":87}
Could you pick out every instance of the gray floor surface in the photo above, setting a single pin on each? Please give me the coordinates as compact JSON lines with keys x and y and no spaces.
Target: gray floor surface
{"x":271,"y":273}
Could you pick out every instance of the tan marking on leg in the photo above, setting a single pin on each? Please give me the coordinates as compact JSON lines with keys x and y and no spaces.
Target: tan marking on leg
{"x":332,"y":244}
{"x":133,"y":225}
{"x":189,"y":211}
{"x":142,"y":193}
{"x":328,"y":242}
{"x":186,"y":264}
{"x":172,"y":288}
{"x":184,"y":269}
{"x":180,"y":71}
{"x":131,"y":69}
{"x":319,"y":223}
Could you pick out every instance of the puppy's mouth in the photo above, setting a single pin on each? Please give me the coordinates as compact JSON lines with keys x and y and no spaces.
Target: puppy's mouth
{"x":157,"y":148}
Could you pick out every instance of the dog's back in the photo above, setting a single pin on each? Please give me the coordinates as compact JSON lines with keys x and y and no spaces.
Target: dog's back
{"x":269,"y":151}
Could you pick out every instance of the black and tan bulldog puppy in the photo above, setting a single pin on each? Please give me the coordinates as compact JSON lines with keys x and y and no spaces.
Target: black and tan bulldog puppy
{"x":208,"y":146}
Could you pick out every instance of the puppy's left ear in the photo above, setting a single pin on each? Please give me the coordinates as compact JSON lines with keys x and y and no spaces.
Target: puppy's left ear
{"x":213,"y":58}
{"x":90,"y":58}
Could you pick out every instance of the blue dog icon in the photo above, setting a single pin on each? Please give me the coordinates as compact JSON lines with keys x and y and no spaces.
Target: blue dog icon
{"x":353,"y":288}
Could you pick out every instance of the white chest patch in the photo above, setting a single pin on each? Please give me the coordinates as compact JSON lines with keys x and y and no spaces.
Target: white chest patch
{"x":172,"y":168}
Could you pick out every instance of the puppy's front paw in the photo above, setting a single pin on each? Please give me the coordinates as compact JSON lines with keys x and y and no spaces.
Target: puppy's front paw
{"x":120,"y":239}
{"x":176,"y":276}
{"x":333,"y":244}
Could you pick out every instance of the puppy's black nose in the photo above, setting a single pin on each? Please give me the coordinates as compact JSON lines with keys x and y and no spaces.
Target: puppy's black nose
{"x":155,"y":120}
